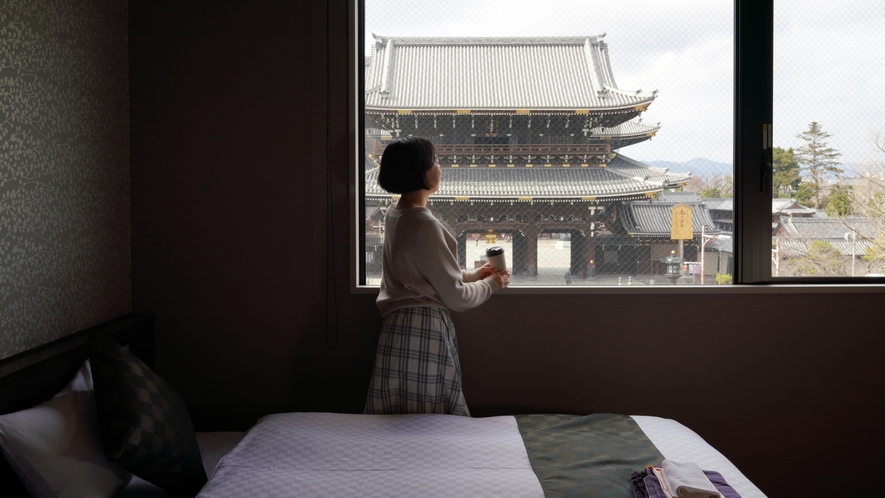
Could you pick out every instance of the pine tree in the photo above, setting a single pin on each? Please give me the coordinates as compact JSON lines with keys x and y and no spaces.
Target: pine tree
{"x":839,"y":203}
{"x":785,"y":175}
{"x":817,"y":159}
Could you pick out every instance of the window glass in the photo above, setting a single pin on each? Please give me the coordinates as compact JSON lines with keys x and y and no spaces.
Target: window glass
{"x":592,"y":141}
{"x":828,"y":206}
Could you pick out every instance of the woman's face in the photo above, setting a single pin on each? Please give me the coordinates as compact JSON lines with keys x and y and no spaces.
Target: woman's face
{"x":433,"y":176}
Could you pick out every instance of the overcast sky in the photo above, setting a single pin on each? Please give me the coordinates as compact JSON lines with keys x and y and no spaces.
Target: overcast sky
{"x":829,"y":61}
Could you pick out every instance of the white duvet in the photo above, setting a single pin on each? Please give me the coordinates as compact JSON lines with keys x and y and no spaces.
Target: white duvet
{"x":346,"y":455}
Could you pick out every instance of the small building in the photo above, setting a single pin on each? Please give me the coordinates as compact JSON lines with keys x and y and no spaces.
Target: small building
{"x":850,"y":236}
{"x":648,"y":223}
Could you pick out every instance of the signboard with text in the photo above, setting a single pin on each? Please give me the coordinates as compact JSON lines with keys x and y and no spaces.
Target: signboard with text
{"x":680,"y":227}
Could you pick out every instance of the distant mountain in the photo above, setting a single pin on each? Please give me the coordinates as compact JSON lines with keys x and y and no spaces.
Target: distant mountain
{"x":850,"y":170}
{"x":712,"y":169}
{"x":697,"y":166}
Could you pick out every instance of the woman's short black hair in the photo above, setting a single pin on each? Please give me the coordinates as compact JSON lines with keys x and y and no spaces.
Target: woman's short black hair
{"x":404,"y":163}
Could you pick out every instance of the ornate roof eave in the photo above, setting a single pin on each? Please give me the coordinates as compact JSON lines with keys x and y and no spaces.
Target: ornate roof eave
{"x":651,"y":235}
{"x":488,"y":40}
{"x":626,"y":136}
{"x":622,"y":179}
{"x":638,"y":93}
{"x":633,"y":196}
{"x":622,"y":134}
{"x":634,"y":233}
{"x":638,"y":106}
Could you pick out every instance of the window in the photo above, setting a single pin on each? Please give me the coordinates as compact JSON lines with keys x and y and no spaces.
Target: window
{"x":605,"y":145}
{"x":828,"y":207}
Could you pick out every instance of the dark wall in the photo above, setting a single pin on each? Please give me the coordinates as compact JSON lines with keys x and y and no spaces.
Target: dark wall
{"x":229,"y":228}
{"x":64,"y":169}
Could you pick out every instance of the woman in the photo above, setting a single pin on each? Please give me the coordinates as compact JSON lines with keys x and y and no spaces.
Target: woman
{"x":416,"y":364}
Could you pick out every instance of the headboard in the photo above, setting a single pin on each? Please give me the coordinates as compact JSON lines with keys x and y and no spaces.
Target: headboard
{"x":33,"y":376}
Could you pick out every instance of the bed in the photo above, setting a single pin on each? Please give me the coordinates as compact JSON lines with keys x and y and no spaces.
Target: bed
{"x":344,"y":455}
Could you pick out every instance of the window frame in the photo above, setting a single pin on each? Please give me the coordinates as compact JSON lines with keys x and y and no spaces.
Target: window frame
{"x":753,"y":115}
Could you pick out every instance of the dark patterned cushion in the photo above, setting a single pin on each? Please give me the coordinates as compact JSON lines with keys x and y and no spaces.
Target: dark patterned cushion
{"x":145,"y":426}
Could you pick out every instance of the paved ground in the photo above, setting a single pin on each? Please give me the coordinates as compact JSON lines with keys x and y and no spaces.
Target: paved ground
{"x":553,"y":257}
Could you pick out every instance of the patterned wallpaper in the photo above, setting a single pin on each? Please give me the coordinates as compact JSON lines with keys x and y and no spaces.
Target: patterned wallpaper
{"x":64,"y":168}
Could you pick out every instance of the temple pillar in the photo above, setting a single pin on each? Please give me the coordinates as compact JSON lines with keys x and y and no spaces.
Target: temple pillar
{"x":578,"y":258}
{"x":590,"y":254}
{"x":519,"y":259}
{"x":531,"y":250}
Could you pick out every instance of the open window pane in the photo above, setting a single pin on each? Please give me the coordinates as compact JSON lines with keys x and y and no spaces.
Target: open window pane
{"x":592,"y":141}
{"x":828,"y":211}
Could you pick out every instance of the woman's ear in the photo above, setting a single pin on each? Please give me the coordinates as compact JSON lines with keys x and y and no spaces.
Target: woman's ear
{"x":433,"y":177}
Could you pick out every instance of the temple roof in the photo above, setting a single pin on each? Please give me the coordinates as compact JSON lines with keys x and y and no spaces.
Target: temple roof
{"x":627,"y":128}
{"x":627,"y":133}
{"x":622,"y":178}
{"x":794,"y":235}
{"x":653,"y":218}
{"x":778,"y":206}
{"x":719,"y":203}
{"x":504,"y":74}
{"x":790,"y":206}
{"x":826,"y":228}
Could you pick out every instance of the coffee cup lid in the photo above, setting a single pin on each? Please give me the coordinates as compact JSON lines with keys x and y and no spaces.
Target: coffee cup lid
{"x":494,"y":251}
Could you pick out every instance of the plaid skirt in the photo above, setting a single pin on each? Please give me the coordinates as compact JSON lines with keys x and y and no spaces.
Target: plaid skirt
{"x":416,"y":365}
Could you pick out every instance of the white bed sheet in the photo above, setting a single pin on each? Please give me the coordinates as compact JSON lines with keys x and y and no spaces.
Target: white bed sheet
{"x":338,"y":455}
{"x":347,"y":455}
{"x":681,"y":444}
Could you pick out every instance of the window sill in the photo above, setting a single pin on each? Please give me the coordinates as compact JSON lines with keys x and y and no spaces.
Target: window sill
{"x":680,"y":289}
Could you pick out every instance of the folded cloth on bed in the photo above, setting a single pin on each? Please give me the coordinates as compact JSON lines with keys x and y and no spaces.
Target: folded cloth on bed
{"x":645,"y":484}
{"x":637,"y":484}
{"x":653,"y":478}
{"x":571,"y":454}
{"x":687,"y":480}
{"x":653,"y":484}
{"x":724,"y":488}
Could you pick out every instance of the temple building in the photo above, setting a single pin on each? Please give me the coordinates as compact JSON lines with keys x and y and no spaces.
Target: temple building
{"x":648,"y":223}
{"x":529,"y":134}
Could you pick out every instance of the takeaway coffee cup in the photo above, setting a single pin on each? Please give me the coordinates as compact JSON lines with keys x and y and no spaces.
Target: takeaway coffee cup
{"x":495,"y":257}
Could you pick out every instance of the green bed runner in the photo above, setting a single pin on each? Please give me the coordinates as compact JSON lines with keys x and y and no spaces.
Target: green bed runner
{"x":592,"y":455}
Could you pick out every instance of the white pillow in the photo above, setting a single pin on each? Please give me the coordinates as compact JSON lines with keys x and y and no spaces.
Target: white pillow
{"x":56,"y":449}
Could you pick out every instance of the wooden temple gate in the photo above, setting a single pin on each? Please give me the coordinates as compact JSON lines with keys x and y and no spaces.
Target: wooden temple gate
{"x":525,"y":224}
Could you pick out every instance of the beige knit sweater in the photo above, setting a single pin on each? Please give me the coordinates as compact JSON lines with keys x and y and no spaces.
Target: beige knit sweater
{"x":420,"y":266}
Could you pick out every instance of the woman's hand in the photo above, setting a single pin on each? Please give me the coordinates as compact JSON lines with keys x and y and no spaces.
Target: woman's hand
{"x":502,"y":278}
{"x":485,"y":270}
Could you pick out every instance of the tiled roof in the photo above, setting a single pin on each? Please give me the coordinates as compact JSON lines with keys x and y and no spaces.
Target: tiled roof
{"x":828,"y":228}
{"x":622,"y":178}
{"x":627,"y":133}
{"x":778,"y":206}
{"x":722,"y":242}
{"x":568,"y":73}
{"x":632,"y":127}
{"x":652,"y":218}
{"x":719,"y":203}
{"x":652,"y":174}
{"x":794,"y":235}
{"x":790,"y":206}
{"x":680,"y":197}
